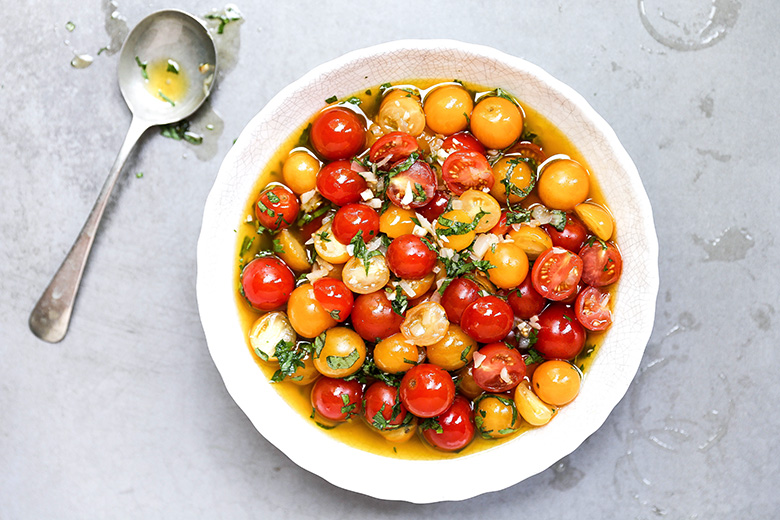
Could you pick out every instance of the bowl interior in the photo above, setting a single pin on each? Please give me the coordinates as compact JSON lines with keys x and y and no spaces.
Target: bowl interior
{"x":612,"y":370}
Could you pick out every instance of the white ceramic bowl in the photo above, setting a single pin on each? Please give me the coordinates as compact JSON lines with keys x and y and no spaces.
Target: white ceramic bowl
{"x":605,"y":383}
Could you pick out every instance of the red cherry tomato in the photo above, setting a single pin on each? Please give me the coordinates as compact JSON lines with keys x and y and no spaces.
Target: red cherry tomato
{"x":436,"y":206}
{"x":420,"y":179}
{"x":462,"y":141}
{"x":408,"y":257}
{"x":573,"y":235}
{"x":276,"y":207}
{"x":373,"y":316}
{"x":267,"y":283}
{"x":592,"y":309}
{"x":529,"y":150}
{"x":561,"y":336}
{"x":354,"y":218}
{"x":427,"y":390}
{"x":488,"y":319}
{"x":327,"y":398}
{"x":603,"y":264}
{"x":525,"y":300}
{"x":459,"y":294}
{"x":382,"y":406}
{"x":392,"y":147}
{"x":457,"y":427}
{"x":339,"y":183}
{"x":334,"y":297}
{"x":308,"y":229}
{"x":501,"y":228}
{"x":498,"y":368}
{"x":556,"y":273}
{"x":337,"y":133}
{"x":465,"y":170}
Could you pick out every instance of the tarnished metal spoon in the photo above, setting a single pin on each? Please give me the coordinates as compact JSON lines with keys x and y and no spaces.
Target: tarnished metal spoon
{"x":167,"y":68}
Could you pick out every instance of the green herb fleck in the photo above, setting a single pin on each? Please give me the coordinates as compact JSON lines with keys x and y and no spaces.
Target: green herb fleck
{"x":70,"y":26}
{"x":361,"y":252}
{"x":139,"y":175}
{"x":331,"y":99}
{"x":343,"y":362}
{"x":142,"y":65}
{"x":401,"y":302}
{"x":354,"y":100}
{"x":229,"y":14}
{"x":533,"y":356}
{"x":431,"y":423}
{"x":319,"y":342}
{"x":173,"y":67}
{"x":448,"y":227}
{"x":278,"y":247}
{"x":166,"y":98}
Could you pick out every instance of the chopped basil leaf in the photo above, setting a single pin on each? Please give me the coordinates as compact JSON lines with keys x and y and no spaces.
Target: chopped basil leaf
{"x":354,"y":100}
{"x":166,"y":98}
{"x":273,"y":198}
{"x":449,"y":227}
{"x":319,"y":342}
{"x":401,"y":302}
{"x":331,"y":99}
{"x":431,"y":423}
{"x":533,"y":357}
{"x":142,"y":65}
{"x":343,"y":363}
{"x":278,"y":247}
{"x":361,"y":252}
{"x":173,"y":67}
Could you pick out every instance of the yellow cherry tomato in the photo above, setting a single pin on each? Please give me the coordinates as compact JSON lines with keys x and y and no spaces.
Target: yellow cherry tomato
{"x":450,"y":233}
{"x":496,"y":122}
{"x":511,"y":265}
{"x":401,"y":434}
{"x":532,"y":240}
{"x":556,"y":382}
{"x":453,"y":351}
{"x":342,"y":354}
{"x":466,"y":384}
{"x":597,"y":219}
{"x":448,"y":109}
{"x":306,"y":315}
{"x":515,"y":174}
{"x":425,"y":324}
{"x":396,"y":354}
{"x":328,"y":248}
{"x":266,"y":333}
{"x":535,"y":411}
{"x":300,"y":172}
{"x":474,"y":201}
{"x":292,"y":251}
{"x":306,"y":374}
{"x":563,"y":184}
{"x":396,"y":221}
{"x":401,"y":111}
{"x":360,"y":280}
{"x":414,"y":288}
{"x":496,"y":416}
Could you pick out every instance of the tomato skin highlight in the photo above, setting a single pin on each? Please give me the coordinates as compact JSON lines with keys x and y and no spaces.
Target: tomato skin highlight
{"x":459,"y":294}
{"x":457,"y":425}
{"x":427,"y":390}
{"x":592,"y":308}
{"x":498,"y":358}
{"x":327,"y":400}
{"x":334,"y":297}
{"x":465,"y":170}
{"x":267,"y":283}
{"x":392,"y":147}
{"x":561,"y":336}
{"x":603,"y":264}
{"x":572,"y":237}
{"x":339,"y":183}
{"x":373,"y":316}
{"x":488,"y":319}
{"x":337,"y":133}
{"x":351,"y":219}
{"x":409,"y":257}
{"x":525,"y":300}
{"x":556,"y":273}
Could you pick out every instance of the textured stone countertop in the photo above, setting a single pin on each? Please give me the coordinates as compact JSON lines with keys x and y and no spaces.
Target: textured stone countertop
{"x":128,"y":417}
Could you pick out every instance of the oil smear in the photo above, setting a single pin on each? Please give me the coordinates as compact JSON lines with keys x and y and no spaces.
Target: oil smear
{"x":224,"y":27}
{"x":732,"y":245}
{"x":116,"y":27}
{"x":688,"y":26}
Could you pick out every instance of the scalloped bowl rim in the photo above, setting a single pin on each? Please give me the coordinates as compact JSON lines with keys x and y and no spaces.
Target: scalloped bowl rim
{"x":613,"y":368}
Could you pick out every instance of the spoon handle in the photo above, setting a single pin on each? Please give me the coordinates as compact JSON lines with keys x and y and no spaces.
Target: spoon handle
{"x":50,"y":318}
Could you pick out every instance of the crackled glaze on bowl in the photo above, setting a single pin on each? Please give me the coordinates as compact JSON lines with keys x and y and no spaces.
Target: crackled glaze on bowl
{"x":611,"y":372}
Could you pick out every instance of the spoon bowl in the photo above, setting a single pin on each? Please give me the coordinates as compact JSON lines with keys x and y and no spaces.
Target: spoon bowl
{"x":166,"y":71}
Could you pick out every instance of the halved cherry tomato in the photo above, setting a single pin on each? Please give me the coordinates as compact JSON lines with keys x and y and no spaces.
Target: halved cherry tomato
{"x":459,"y":294}
{"x":603,"y":263}
{"x":488,"y":319}
{"x":456,"y":425}
{"x":462,"y":141}
{"x":277,"y":207}
{"x":382,"y":406}
{"x":498,"y":368}
{"x":525,"y":300}
{"x":561,"y":336}
{"x":467,"y":169}
{"x":501,"y":228}
{"x":572,"y":237}
{"x":530,"y":150}
{"x":436,"y":206}
{"x":419,"y":178}
{"x":427,"y":390}
{"x":334,"y":297}
{"x":373,"y":316}
{"x":354,"y":218}
{"x":556,"y":273}
{"x":592,"y":309}
{"x":267,"y":283}
{"x":339,"y":183}
{"x":337,"y":133}
{"x":409,"y":257}
{"x":336,"y":399}
{"x":392,"y":147}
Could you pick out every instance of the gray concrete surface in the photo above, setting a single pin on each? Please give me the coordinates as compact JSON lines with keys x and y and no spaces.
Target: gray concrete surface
{"x":128,"y":418}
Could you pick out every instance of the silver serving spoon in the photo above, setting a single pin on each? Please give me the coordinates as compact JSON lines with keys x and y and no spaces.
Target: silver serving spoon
{"x":162,"y":42}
